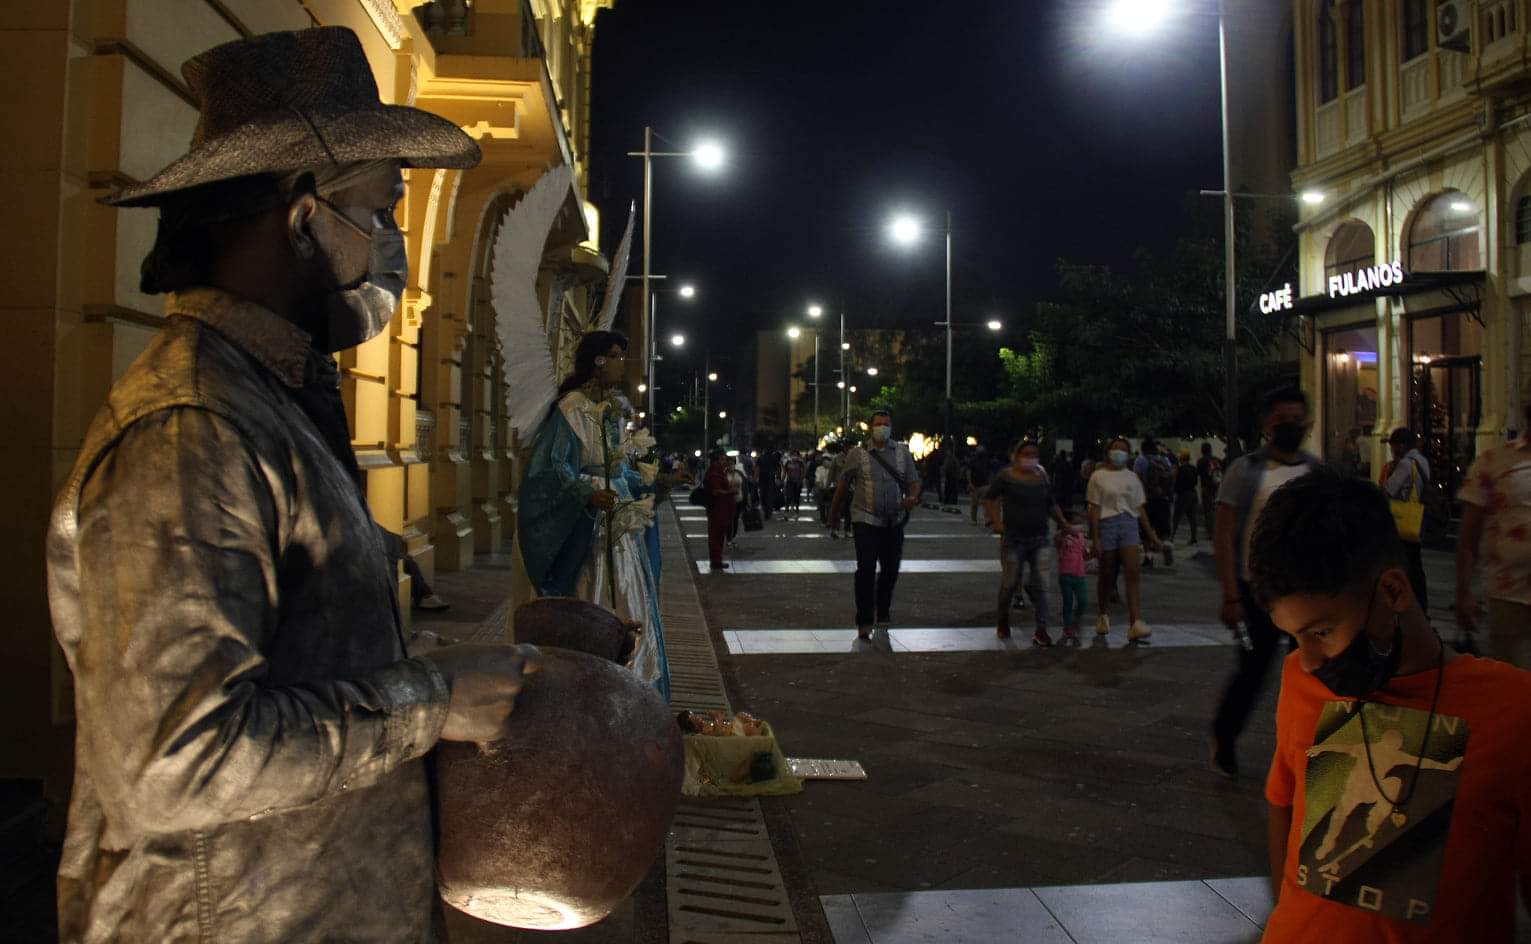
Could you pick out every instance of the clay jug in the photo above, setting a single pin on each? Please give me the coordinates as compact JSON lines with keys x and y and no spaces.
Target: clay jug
{"x":571,"y":623}
{"x":555,"y":824}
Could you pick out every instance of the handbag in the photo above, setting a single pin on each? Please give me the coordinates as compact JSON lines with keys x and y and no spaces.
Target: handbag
{"x":1409,"y":514}
{"x":753,"y":519}
{"x":701,"y":496}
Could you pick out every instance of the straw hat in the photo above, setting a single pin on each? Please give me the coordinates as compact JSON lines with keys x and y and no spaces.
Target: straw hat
{"x":283,"y":102}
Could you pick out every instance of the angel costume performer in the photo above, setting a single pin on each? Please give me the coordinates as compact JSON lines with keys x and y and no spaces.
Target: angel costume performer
{"x":563,"y":537}
{"x":581,"y":444}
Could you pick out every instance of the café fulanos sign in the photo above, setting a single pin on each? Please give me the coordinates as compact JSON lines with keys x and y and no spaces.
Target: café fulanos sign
{"x":1369,"y":279}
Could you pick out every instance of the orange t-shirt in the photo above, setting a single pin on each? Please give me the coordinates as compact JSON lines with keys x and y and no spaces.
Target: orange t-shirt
{"x":1441,"y":867}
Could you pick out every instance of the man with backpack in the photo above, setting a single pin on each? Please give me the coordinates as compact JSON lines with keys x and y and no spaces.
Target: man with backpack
{"x":886,"y":486}
{"x":1186,"y":481}
{"x":1157,"y":474}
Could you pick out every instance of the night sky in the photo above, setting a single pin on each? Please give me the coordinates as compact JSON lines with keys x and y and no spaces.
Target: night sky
{"x":1044,"y":136}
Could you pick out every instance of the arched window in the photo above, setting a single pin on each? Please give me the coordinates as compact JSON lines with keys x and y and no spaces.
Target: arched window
{"x":1328,"y":55}
{"x":1352,"y":247}
{"x":1415,"y":19}
{"x":1444,"y":234}
{"x":1355,"y":46}
{"x":1523,"y":221}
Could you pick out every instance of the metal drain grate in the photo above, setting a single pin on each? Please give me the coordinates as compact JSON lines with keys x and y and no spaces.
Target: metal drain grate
{"x":731,"y":887}
{"x":722,"y":880}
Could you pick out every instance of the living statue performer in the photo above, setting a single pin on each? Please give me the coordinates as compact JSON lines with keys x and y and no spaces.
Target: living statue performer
{"x":251,"y":733}
{"x":585,"y":510}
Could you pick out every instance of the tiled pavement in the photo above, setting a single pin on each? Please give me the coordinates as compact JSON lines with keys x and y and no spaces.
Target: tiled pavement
{"x":959,"y":639}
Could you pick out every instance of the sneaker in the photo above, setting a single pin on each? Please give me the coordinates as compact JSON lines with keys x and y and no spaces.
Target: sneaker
{"x":1003,"y":632}
{"x":1139,"y":630}
{"x":432,"y":603}
{"x":717,"y":568}
{"x":1225,"y":760}
{"x":863,"y":632}
{"x":1102,"y":625}
{"x":1070,"y":631}
{"x":1040,"y":637}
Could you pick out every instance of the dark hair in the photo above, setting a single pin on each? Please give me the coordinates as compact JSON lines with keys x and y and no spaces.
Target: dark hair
{"x":1118,"y":439}
{"x":591,"y":346}
{"x":1405,"y":437}
{"x":1023,"y":443}
{"x":1280,"y":395}
{"x":877,"y":413}
{"x":717,"y":454}
{"x":1206,"y":449}
{"x":1322,"y":533}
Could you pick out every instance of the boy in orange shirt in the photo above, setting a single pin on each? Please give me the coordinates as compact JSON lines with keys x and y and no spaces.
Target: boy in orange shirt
{"x":1400,"y":791}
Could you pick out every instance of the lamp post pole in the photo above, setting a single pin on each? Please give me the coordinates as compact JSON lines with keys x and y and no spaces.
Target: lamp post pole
{"x":648,"y":232}
{"x":706,"y":405}
{"x":1230,"y":343}
{"x":816,"y":334}
{"x":948,"y":411}
{"x":790,"y":352}
{"x":845,"y":405}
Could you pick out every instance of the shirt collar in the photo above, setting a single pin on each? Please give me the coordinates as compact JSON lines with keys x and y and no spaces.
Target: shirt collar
{"x":278,"y":344}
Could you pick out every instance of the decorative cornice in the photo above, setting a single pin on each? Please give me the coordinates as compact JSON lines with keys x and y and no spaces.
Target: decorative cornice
{"x":386,"y":18}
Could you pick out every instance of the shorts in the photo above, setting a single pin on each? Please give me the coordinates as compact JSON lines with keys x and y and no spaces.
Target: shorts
{"x":1118,"y":532}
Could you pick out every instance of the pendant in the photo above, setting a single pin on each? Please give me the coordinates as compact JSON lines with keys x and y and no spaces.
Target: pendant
{"x":1399,"y":818}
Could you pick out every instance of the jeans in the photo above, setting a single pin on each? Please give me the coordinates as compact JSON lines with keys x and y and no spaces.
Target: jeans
{"x":879,"y":550}
{"x":1016,"y":557}
{"x":1243,"y":688}
{"x":1185,"y":508}
{"x":1076,"y":595}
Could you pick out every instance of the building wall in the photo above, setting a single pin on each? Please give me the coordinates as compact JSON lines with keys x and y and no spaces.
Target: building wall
{"x":1442,"y":121}
{"x":97,"y":100}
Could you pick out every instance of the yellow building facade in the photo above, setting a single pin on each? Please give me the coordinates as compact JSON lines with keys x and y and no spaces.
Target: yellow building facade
{"x":95,"y":99}
{"x":1414,"y":159}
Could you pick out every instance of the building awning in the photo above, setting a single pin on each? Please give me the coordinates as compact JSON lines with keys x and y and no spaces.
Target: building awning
{"x":1464,"y":288}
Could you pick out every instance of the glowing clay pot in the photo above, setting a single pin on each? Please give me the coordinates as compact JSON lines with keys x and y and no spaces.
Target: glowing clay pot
{"x":570,"y":623}
{"x":554,"y":825}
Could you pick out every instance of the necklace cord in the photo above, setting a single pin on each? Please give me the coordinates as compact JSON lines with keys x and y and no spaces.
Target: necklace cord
{"x":1371,"y":767}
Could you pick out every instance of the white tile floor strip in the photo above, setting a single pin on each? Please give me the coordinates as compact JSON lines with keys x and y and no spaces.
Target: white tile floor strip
{"x":985,"y":566}
{"x":756,"y":642}
{"x":1221,"y":910}
{"x":794,"y":537}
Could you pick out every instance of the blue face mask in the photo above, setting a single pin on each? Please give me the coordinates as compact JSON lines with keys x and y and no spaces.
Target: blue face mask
{"x":1118,"y":457}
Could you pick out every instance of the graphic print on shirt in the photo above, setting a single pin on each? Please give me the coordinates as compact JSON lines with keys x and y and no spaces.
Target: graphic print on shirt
{"x":1356,"y":848}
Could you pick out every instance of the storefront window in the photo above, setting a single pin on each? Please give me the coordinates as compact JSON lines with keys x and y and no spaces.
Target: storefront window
{"x":1445,"y":378}
{"x":1350,"y":397}
{"x":1444,"y":235}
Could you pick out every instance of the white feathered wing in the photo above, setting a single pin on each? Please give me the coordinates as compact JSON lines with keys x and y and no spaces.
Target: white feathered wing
{"x":530,"y":380}
{"x":616,"y":279}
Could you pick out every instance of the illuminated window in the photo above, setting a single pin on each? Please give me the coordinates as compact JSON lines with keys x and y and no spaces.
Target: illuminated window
{"x":1352,"y":247}
{"x":1444,"y":234}
{"x":1416,"y":28}
{"x":1328,"y":67}
{"x":1355,"y":47}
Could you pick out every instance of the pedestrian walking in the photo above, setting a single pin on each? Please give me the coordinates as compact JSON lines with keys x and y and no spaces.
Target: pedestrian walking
{"x":882,"y":477}
{"x":1397,"y":793}
{"x":951,"y":475}
{"x":1064,"y":481}
{"x":1157,"y":473}
{"x":1247,"y":486}
{"x":792,"y":477}
{"x":1186,"y":499}
{"x":1407,"y":479}
{"x":1209,"y":474}
{"x":1496,"y":521}
{"x":1073,"y":586}
{"x":1118,"y":513}
{"x":978,"y":476}
{"x":739,"y":482}
{"x":250,"y":759}
{"x":722,"y":505}
{"x":1019,"y":504}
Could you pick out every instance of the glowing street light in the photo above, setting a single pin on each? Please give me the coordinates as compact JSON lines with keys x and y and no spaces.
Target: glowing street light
{"x":840,"y":384}
{"x":1312,"y":197}
{"x":713,"y":377}
{"x":995,"y":324}
{"x":845,"y":345}
{"x":709,"y":155}
{"x":722,"y":414}
{"x":687,"y":291}
{"x":794,"y":332}
{"x":643,"y":388}
{"x":905,"y":229}
{"x":815,"y":311}
{"x":871,"y":372}
{"x":678,"y":340}
{"x":1137,"y":17}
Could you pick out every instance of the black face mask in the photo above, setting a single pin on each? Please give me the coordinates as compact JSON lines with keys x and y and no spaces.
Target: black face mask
{"x":1288,"y":437}
{"x":1361,"y":669}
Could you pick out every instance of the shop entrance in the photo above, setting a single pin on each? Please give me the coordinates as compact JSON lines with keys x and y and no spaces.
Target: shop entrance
{"x":1445,"y":405}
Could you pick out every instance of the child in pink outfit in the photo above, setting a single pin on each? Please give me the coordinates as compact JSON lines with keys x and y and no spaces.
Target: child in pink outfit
{"x":1073,"y":551}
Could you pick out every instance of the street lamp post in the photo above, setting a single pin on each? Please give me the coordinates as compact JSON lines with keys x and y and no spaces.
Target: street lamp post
{"x":814,"y":311}
{"x":709,"y":156}
{"x":905,"y":231}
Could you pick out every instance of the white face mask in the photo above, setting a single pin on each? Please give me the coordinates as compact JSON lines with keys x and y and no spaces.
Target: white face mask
{"x":881,"y":434}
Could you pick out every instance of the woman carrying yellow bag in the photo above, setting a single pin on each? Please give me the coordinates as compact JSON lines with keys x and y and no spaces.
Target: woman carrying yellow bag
{"x":1405,"y":480}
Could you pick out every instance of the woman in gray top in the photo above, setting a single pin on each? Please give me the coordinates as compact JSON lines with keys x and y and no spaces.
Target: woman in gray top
{"x":1019,"y":504}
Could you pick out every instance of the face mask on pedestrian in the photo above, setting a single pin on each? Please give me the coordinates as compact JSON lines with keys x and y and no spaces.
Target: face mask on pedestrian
{"x":1288,"y":436}
{"x":360,"y":308}
{"x":1361,"y":669}
{"x":1118,"y":457}
{"x":881,"y":434}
